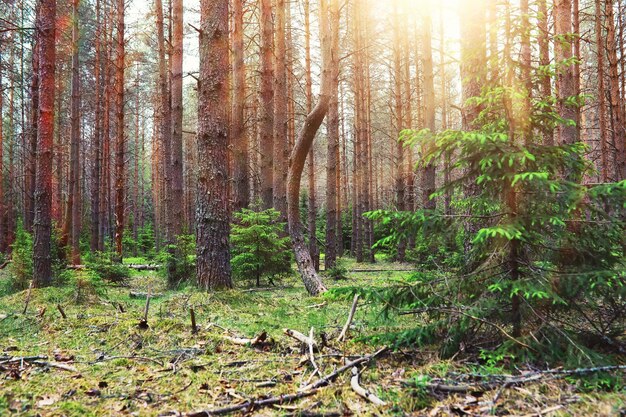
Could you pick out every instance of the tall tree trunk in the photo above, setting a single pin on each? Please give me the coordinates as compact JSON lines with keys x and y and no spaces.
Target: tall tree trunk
{"x":165,"y":125}
{"x":281,"y":113}
{"x":428,"y":173}
{"x":213,"y":205}
{"x":71,"y":226}
{"x":399,"y":124}
{"x":241,"y":170}
{"x":619,"y":134}
{"x":312,"y":212}
{"x":97,"y":152}
{"x":42,"y":261}
{"x":601,"y":50}
{"x":332,"y":126}
{"x":3,"y":247}
{"x":176,"y":65}
{"x":32,"y":140}
{"x":120,"y":152}
{"x":267,"y":105}
{"x":303,"y":144}
{"x":566,"y":85}
{"x":544,"y":61}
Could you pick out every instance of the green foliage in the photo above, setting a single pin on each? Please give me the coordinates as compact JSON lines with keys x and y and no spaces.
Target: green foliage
{"x":337,"y":272}
{"x":145,"y":241}
{"x":177,"y":260}
{"x":22,"y":259}
{"x":259,"y":246}
{"x":102,"y":266}
{"x":534,"y":240}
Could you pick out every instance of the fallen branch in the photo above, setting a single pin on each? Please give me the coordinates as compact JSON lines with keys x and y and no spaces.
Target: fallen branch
{"x":148,"y":267}
{"x":344,"y":331}
{"x":332,"y":376}
{"x":354,"y":383}
{"x":300,"y":337}
{"x":260,"y":402}
{"x":540,"y":376}
{"x":133,"y":294}
{"x":56,"y":365}
{"x":311,"y":354}
{"x":242,"y":341}
{"x":5,"y":263}
{"x":254,"y":404}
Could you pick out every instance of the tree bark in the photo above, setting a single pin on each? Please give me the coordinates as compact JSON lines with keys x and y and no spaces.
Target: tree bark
{"x":97,"y":152}
{"x":213,"y":206}
{"x":176,"y":65}
{"x":241,"y":170}
{"x":266,"y":124}
{"x":332,"y":150}
{"x":619,"y":135}
{"x":281,"y":113}
{"x":566,"y":86}
{"x":428,"y":173}
{"x":120,"y":152}
{"x":42,"y":261}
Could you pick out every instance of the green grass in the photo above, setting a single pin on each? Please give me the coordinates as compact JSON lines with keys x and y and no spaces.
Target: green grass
{"x":166,"y":367}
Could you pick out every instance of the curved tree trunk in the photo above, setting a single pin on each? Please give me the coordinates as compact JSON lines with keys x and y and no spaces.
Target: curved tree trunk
{"x":304,"y":141}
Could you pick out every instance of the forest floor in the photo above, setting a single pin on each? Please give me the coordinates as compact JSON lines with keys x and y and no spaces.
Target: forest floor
{"x":99,"y":360}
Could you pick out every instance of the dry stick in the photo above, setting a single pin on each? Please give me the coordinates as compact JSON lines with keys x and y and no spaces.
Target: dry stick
{"x":61,"y":311}
{"x":344,"y":331}
{"x":354,"y":383}
{"x":243,"y":341}
{"x":61,"y":366}
{"x":133,"y":294}
{"x":144,"y":322}
{"x":30,"y":288}
{"x":282,"y":399}
{"x":194,"y":328}
{"x":312,"y":358}
{"x":254,"y":403}
{"x":300,"y":337}
{"x":330,"y":377}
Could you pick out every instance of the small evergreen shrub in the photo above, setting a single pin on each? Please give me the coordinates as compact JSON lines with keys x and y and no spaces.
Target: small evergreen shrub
{"x":259,"y":246}
{"x":338,"y":272}
{"x":102,"y":265}
{"x":177,"y":260}
{"x":21,"y":267}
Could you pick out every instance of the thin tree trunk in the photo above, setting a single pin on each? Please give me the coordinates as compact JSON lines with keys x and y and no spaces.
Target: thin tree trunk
{"x":176,"y":65}
{"x":332,"y":127}
{"x":619,"y":135}
{"x":281,"y":113}
{"x":428,"y":173}
{"x":566,"y":86}
{"x":120,"y":152}
{"x":266,"y":124}
{"x":97,"y":152}
{"x":241,"y":170}
{"x":312,"y":210}
{"x":601,"y":50}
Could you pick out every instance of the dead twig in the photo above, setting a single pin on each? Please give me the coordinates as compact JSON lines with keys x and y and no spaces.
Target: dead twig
{"x":300,"y":338}
{"x":30,"y":288}
{"x":194,"y":328}
{"x":61,"y":311}
{"x":354,"y":383}
{"x":242,"y":341}
{"x":344,"y":331}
